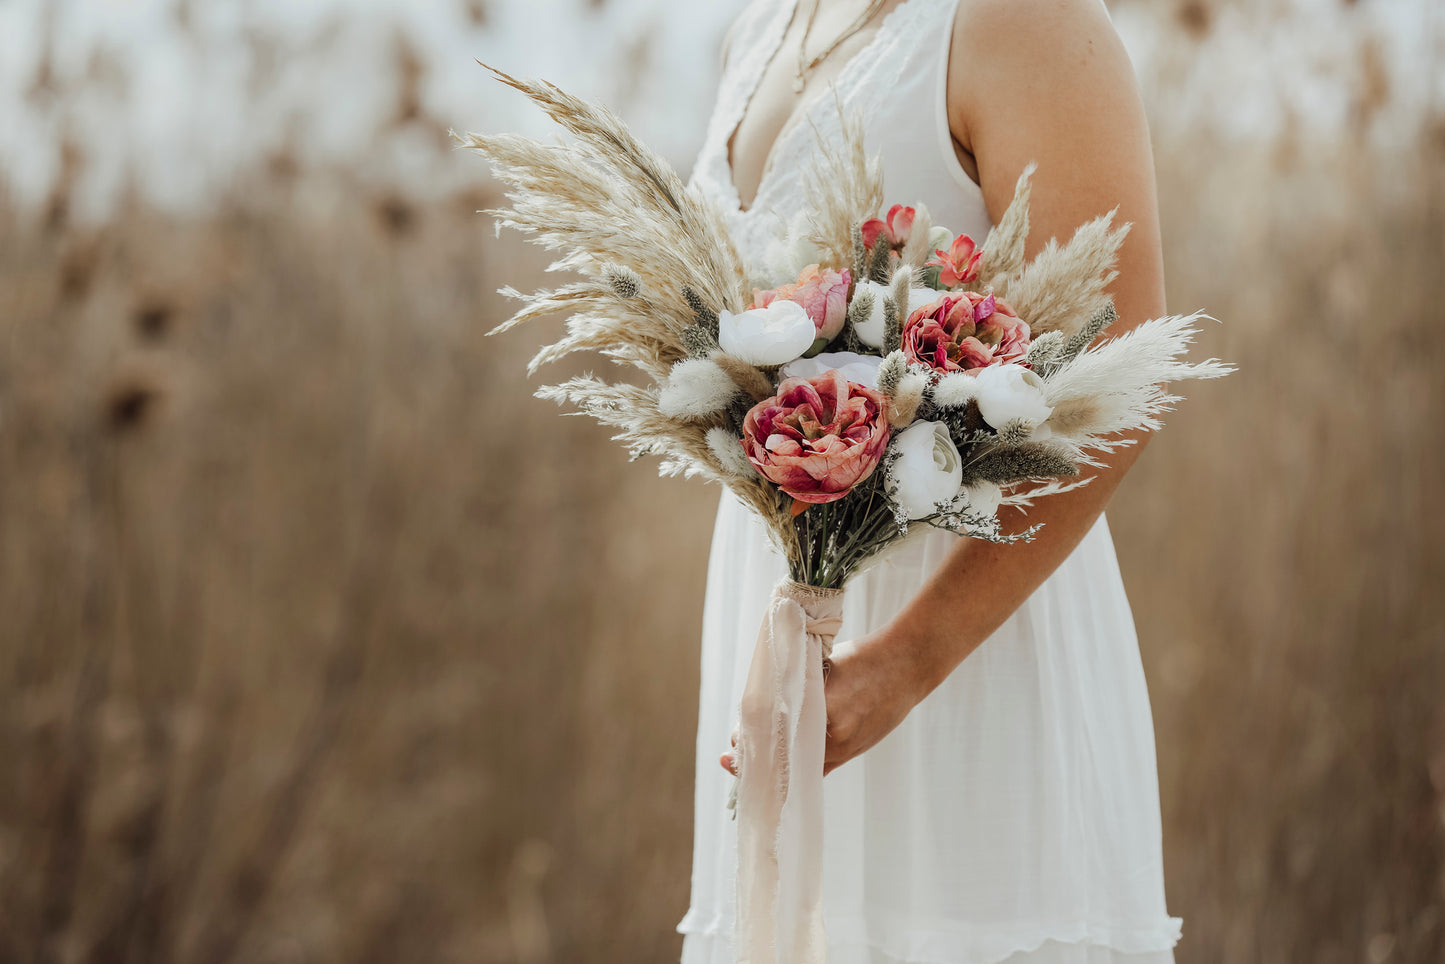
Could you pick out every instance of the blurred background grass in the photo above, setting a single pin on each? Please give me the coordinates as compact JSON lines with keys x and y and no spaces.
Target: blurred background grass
{"x":322,"y":640}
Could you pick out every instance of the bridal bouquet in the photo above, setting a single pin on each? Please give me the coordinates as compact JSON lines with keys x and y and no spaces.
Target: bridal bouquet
{"x":875,"y":373}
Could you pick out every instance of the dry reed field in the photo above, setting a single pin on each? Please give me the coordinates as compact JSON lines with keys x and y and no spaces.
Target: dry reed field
{"x":321,"y":640}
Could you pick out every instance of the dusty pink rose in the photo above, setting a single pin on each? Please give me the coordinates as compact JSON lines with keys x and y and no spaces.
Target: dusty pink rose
{"x":822,"y":292}
{"x":896,"y":228}
{"x":964,"y":332}
{"x":959,"y":263}
{"x":818,"y":437}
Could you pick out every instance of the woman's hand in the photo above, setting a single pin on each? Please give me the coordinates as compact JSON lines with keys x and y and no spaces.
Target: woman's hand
{"x":873,"y":683}
{"x":870,"y":684}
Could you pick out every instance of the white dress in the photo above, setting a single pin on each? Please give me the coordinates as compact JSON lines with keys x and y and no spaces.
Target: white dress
{"x":1014,"y":814}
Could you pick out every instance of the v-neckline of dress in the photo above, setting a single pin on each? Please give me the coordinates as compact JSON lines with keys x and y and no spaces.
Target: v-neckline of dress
{"x":803,"y":107}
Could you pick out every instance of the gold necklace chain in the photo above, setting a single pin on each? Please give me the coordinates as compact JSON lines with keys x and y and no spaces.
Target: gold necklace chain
{"x":805,"y":66}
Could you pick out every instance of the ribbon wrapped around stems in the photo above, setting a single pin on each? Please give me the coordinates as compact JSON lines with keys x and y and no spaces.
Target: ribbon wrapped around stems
{"x":782,"y":723}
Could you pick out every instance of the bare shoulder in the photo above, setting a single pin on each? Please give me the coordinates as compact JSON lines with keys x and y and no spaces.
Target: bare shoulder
{"x":1043,"y":58}
{"x":1055,"y":37}
{"x":1050,"y":81}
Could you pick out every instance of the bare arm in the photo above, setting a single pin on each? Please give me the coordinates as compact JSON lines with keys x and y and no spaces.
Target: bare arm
{"x":1044,"y":80}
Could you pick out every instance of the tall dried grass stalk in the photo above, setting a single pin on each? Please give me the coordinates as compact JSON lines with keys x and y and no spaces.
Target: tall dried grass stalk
{"x":1065,"y":285}
{"x":657,"y":265}
{"x":843,"y":187}
{"x":605,"y":198}
{"x":1003,"y":250}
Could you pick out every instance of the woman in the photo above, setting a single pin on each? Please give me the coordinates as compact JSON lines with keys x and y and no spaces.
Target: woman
{"x":996,"y":796}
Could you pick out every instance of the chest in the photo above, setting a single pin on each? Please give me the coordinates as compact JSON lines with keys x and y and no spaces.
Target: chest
{"x":825,"y":33}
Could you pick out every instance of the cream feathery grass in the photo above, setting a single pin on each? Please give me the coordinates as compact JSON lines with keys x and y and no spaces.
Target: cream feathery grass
{"x":727,"y":446}
{"x":644,"y":428}
{"x":1002,"y":255}
{"x":1024,"y":496}
{"x":1065,"y":285}
{"x":601,"y":322}
{"x":1119,"y":385}
{"x":841,"y":190}
{"x":684,"y":446}
{"x":918,"y":249}
{"x":605,"y":197}
{"x":650,"y":251}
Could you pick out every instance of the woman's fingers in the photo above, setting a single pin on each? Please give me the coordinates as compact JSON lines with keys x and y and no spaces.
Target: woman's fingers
{"x":727,"y":759}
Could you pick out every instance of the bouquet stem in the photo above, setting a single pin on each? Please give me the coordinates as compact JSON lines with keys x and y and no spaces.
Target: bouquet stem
{"x":781,"y":734}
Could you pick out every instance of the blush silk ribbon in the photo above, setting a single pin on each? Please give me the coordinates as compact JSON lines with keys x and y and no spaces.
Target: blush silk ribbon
{"x":781,"y":731}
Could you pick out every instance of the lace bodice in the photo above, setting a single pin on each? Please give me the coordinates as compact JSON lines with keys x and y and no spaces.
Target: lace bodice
{"x":896,"y":82}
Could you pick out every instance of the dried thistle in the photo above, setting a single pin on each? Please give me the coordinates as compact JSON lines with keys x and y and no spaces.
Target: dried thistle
{"x":891,"y":371}
{"x":1043,"y":351}
{"x":901,"y":288}
{"x":879,"y":261}
{"x":892,"y":325}
{"x":1085,"y":336}
{"x":625,"y":282}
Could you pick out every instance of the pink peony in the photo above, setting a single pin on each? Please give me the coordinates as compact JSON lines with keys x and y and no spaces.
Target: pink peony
{"x":896,"y":228}
{"x":818,"y":437}
{"x":959,"y":264}
{"x":964,"y":332}
{"x":822,"y":292}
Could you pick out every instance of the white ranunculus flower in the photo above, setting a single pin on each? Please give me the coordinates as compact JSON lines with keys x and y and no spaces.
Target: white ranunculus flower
{"x":927,"y":470}
{"x":870,"y":332}
{"x":939,"y":239}
{"x":1008,"y":393}
{"x":983,"y":498}
{"x":773,"y":335}
{"x":860,"y":369}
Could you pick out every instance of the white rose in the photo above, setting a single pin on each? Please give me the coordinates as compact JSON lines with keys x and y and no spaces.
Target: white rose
{"x":767,"y":336}
{"x":927,"y":470}
{"x":860,"y":369}
{"x":870,"y":331}
{"x":1008,"y":393}
{"x":939,"y":239}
